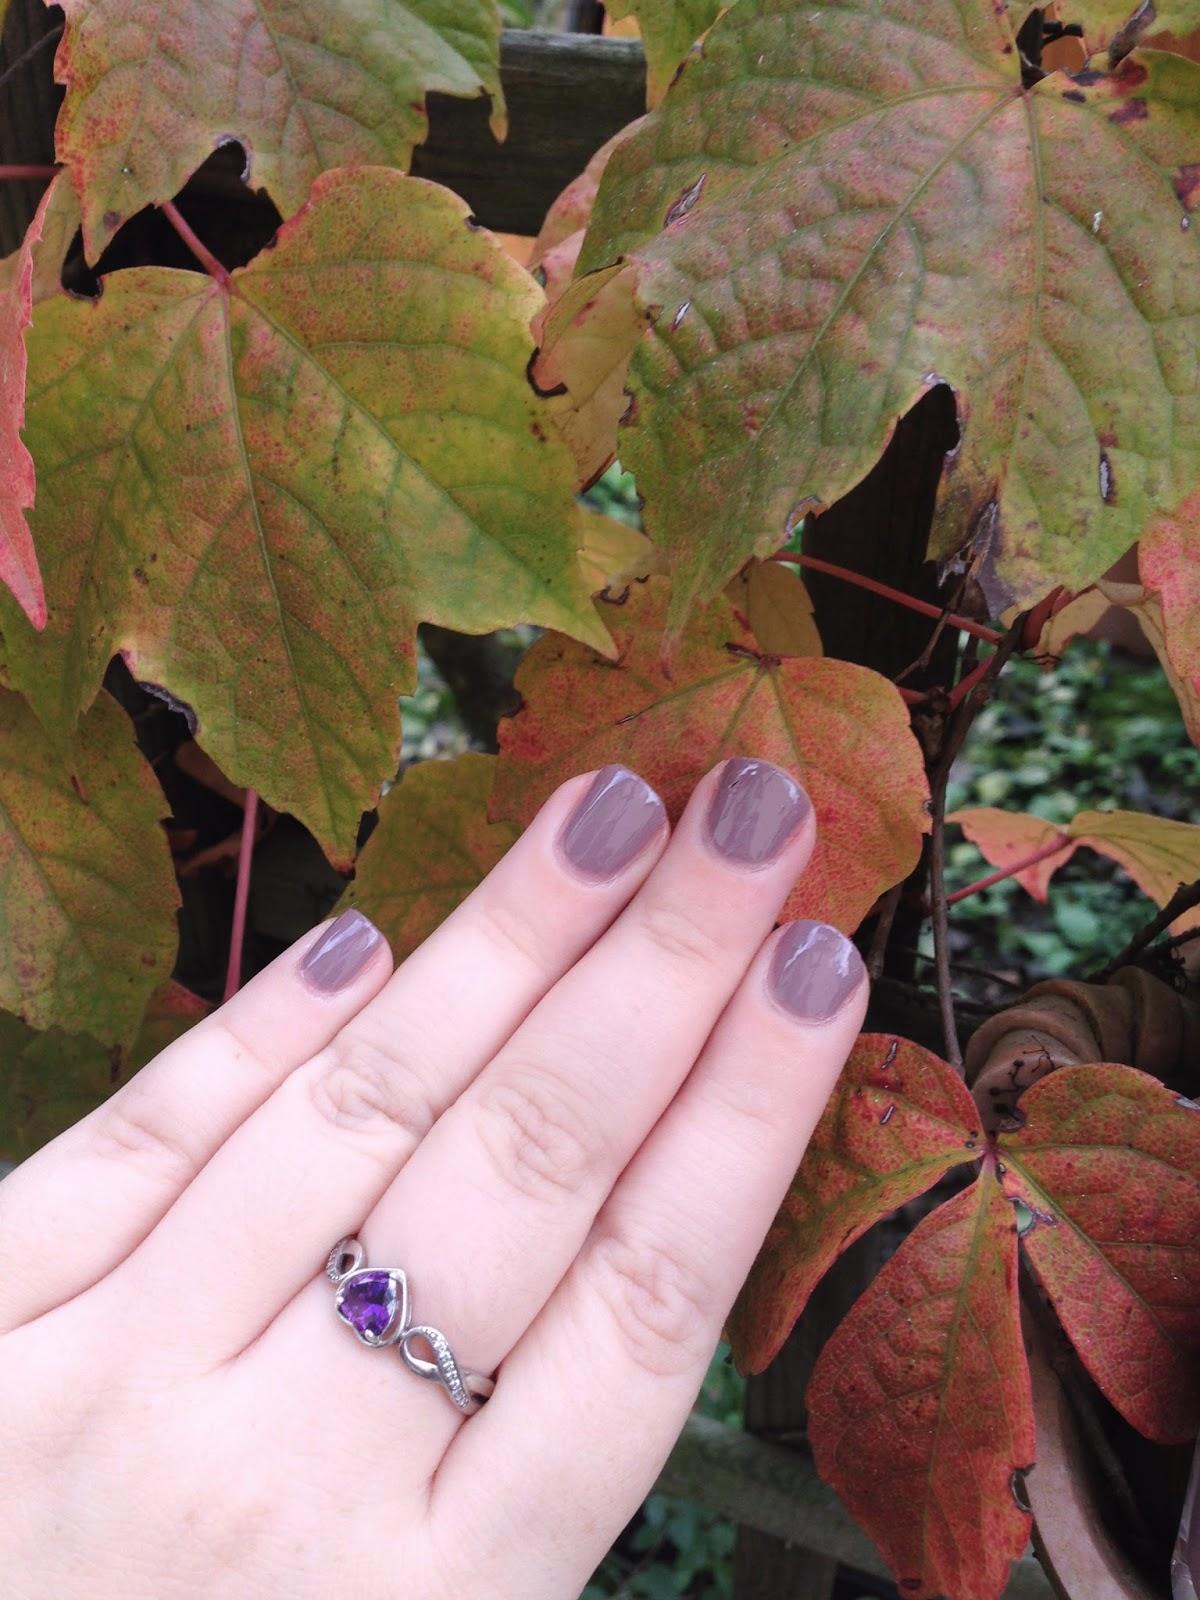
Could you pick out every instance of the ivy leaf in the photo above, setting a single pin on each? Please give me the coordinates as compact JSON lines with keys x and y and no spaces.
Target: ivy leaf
{"x":50,"y":1080}
{"x":1108,"y":1166}
{"x":432,"y":846}
{"x":86,"y":885}
{"x":669,"y":28}
{"x":256,"y":489}
{"x":920,"y":1413}
{"x":1004,"y":837}
{"x":897,"y":1121}
{"x":18,"y":559}
{"x":305,"y":85}
{"x":842,"y":729}
{"x":836,"y":209}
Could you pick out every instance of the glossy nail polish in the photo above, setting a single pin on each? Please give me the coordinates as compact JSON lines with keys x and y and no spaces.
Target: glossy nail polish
{"x":341,"y":952}
{"x":814,"y":971}
{"x":756,"y":810}
{"x":613,"y":823}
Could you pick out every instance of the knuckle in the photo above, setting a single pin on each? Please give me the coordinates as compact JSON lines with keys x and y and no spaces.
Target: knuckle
{"x":675,"y":932}
{"x":131,"y":1130}
{"x":540,"y":1137}
{"x":360,"y":1084}
{"x":660,"y":1303}
{"x":512,"y":930}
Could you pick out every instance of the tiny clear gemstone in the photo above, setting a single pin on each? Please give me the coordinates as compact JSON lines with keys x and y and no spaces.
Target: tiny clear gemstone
{"x":368,"y":1303}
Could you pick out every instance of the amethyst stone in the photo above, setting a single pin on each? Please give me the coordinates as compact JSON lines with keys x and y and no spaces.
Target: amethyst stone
{"x":368,"y":1302}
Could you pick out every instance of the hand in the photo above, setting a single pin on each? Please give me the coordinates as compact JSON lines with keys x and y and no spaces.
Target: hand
{"x":570,"y":1117}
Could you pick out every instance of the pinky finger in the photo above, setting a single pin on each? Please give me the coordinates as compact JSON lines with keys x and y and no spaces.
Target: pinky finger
{"x":591,"y":1401}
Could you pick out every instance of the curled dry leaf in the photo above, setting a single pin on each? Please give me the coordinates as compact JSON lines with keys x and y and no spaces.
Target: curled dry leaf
{"x":432,"y":845}
{"x":836,"y":209}
{"x":1107,"y":1169}
{"x":920,"y":1413}
{"x":842,"y":729}
{"x":256,"y":489}
{"x":898,"y":1120}
{"x":305,"y":85}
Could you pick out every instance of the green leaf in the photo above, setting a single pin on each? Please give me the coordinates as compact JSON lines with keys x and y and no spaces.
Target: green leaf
{"x":898,"y":1120}
{"x":843,"y":730}
{"x":50,"y":1080}
{"x":837,"y":208}
{"x":305,"y":85}
{"x":87,"y":894}
{"x":668,"y":28}
{"x":432,"y":846}
{"x":1108,"y":1166}
{"x":256,"y":489}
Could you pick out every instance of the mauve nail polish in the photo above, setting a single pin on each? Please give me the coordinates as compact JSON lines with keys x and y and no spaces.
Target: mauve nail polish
{"x":755,"y":811}
{"x":814,"y":971}
{"x":341,"y":952}
{"x":612,"y":824}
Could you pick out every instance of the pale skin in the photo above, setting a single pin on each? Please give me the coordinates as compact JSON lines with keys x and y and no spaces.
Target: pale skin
{"x":570,"y":1116}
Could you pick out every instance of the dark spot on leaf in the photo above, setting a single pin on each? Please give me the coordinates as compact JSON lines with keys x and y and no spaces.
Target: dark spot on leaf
{"x":630,"y":411}
{"x":616,"y":599}
{"x":892,"y":1050}
{"x":887,"y":1116}
{"x":1077,"y":95}
{"x":1008,"y":50}
{"x":810,"y":505}
{"x":139,"y":574}
{"x":1128,"y":34}
{"x":1130,"y":75}
{"x":678,"y":209}
{"x":537,"y":430}
{"x":546,"y":394}
{"x":112,"y":221}
{"x":1019,"y":1489}
{"x":1089,"y":77}
{"x":1131,"y":111}
{"x":680,"y":314}
{"x":1108,"y":481}
{"x":1187,"y":184}
{"x":475,"y":227}
{"x":910,"y":1584}
{"x":1109,"y":440}
{"x":181,"y":706}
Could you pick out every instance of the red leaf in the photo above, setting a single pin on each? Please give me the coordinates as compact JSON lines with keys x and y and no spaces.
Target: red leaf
{"x":18,"y":560}
{"x":1004,"y":837}
{"x":842,"y":729}
{"x":920,"y":1413}
{"x":1108,"y":1165}
{"x":898,"y":1120}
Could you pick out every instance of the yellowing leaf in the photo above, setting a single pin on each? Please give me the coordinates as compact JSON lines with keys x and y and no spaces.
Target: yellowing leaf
{"x":778,"y":609}
{"x":305,"y":85}
{"x":612,"y":554}
{"x":837,"y":208}
{"x":87,"y":894}
{"x":256,"y":490}
{"x":669,"y":28}
{"x":843,"y":730}
{"x":1005,"y":837}
{"x":50,"y":1080}
{"x":432,"y":845}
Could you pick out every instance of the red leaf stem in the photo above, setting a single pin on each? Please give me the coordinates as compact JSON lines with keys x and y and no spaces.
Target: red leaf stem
{"x":237,"y":935}
{"x":1034,"y":856}
{"x":925,"y":607}
{"x":26,"y":169}
{"x":195,"y":244}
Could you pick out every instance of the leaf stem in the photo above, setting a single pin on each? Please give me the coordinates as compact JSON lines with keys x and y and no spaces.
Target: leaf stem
{"x":241,"y":896}
{"x":195,"y":244}
{"x":926,"y":609}
{"x":25,"y":170}
{"x":1011,"y":870}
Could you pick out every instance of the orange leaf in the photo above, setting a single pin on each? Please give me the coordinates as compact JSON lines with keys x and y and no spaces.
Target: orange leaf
{"x":842,"y":729}
{"x":920,"y":1413}
{"x":897,"y":1121}
{"x":1004,"y":837}
{"x":1107,"y":1166}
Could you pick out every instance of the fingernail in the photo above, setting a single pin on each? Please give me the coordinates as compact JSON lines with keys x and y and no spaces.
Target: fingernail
{"x":341,"y":952}
{"x":756,"y":810}
{"x":814,"y":971}
{"x":612,"y":824}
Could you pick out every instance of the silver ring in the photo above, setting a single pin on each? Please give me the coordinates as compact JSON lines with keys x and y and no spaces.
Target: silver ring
{"x":374,"y":1302}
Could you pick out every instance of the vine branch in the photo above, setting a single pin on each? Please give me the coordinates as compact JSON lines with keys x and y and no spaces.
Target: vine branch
{"x":1184,"y":899}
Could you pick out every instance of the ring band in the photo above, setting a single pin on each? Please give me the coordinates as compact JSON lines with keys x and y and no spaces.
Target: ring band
{"x":374,"y":1302}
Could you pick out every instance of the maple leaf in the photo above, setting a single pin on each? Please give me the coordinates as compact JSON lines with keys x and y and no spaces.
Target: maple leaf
{"x":254,"y":489}
{"x":305,"y":85}
{"x":50,"y":1080}
{"x":612,"y":554}
{"x":432,"y":846}
{"x":842,"y":729}
{"x":920,"y":1413}
{"x":89,"y":896}
{"x":898,"y":1120}
{"x":668,"y":28}
{"x":18,"y":559}
{"x":1107,"y":1165}
{"x":836,"y":209}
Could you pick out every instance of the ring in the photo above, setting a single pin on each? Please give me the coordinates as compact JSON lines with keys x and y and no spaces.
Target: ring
{"x":374,"y":1302}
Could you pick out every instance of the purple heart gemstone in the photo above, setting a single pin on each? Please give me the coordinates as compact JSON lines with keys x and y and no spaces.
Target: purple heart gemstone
{"x":368,"y":1303}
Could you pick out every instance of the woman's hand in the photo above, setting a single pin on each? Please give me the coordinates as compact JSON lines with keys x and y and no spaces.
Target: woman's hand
{"x":569,"y":1117}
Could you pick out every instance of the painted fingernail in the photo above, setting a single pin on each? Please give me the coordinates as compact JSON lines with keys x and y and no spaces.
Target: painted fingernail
{"x":612,"y":824}
{"x":341,"y":952}
{"x":814,"y":971}
{"x":756,"y":810}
